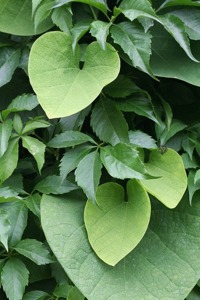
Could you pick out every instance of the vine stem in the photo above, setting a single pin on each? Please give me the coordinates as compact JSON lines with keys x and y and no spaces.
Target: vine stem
{"x":93,"y":12}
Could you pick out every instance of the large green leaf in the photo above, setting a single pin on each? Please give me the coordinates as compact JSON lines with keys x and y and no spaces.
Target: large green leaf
{"x":135,"y":43}
{"x":14,"y":278}
{"x":115,"y":226}
{"x":164,"y":60}
{"x":165,"y":265}
{"x":108,"y":122}
{"x":172,"y":182}
{"x":15,"y":18}
{"x":88,"y":174}
{"x":9,"y":61}
{"x":62,"y":87}
{"x":123,"y":161}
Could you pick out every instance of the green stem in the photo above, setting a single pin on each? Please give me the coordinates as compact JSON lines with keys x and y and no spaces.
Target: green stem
{"x":94,"y":13}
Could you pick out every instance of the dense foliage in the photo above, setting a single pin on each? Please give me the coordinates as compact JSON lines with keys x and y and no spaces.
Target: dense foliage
{"x":99,"y":149}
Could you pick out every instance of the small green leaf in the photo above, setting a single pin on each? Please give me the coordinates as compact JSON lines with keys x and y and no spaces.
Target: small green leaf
{"x":109,"y":123}
{"x":71,"y":158}
{"x":35,"y":124}
{"x":17,"y":124}
{"x":78,"y":31}
{"x":188,"y":162}
{"x":88,"y":174}
{"x":36,"y":148}
{"x":100,"y":31}
{"x":34,"y":250}
{"x":9,"y":60}
{"x":8,"y":161}
{"x":175,"y":127}
{"x":123,"y":161}
{"x":135,"y":43}
{"x":116,"y":226}
{"x":5,"y":133}
{"x":193,"y":185}
{"x":33,"y":204}
{"x":36,"y":295}
{"x":7,"y":194}
{"x":14,"y":278}
{"x":141,"y":139}
{"x":21,"y":103}
{"x":121,"y":87}
{"x":100,"y":4}
{"x":53,"y":184}
{"x":42,"y":12}
{"x":137,"y":8}
{"x":169,"y":3}
{"x":4,"y":228}
{"x":172,"y":182}
{"x":64,"y":93}
{"x":62,"y":17}
{"x":176,"y":28}
{"x":139,"y":104}
{"x":69,"y":139}
{"x":62,"y":291}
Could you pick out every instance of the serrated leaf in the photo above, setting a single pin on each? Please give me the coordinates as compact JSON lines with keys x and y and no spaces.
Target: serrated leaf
{"x":16,"y":18}
{"x":109,"y":123}
{"x":35,"y":124}
{"x":121,"y":87}
{"x":33,"y":204}
{"x":42,"y":12}
{"x":9,"y":60}
{"x":176,"y":28}
{"x":62,"y":17}
{"x":170,"y":187}
{"x":34,"y":250}
{"x":4,"y":228}
{"x":135,"y":43}
{"x":8,"y":161}
{"x":78,"y":31}
{"x":139,"y":104}
{"x":188,"y":162}
{"x":53,"y":184}
{"x":138,"y":8}
{"x":169,"y":3}
{"x":141,"y":139}
{"x":88,"y":173}
{"x":36,"y":149}
{"x":193,"y":186}
{"x":172,"y":234}
{"x":14,"y":278}
{"x":71,"y":158}
{"x":116,"y":226}
{"x":5,"y":133}
{"x":75,"y":294}
{"x":35,"y":295}
{"x":69,"y":139}
{"x":7,"y":194}
{"x":175,"y":127}
{"x":21,"y":103}
{"x":62,"y":290}
{"x":100,"y":31}
{"x":123,"y":161}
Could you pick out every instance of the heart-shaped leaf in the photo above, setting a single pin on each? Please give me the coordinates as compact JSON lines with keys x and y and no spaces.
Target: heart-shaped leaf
{"x":61,"y":86}
{"x":116,"y":226}
{"x":172,"y":183}
{"x":165,"y":264}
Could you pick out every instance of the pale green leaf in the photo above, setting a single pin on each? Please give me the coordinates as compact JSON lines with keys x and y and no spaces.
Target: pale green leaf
{"x":165,"y":264}
{"x":14,"y":278}
{"x":108,"y":122}
{"x":9,"y":60}
{"x":16,"y":18}
{"x":53,"y":184}
{"x":141,"y":139}
{"x":170,"y":187}
{"x":8,"y":161}
{"x":65,"y":93}
{"x":21,"y":103}
{"x":116,"y":226}
{"x":4,"y":228}
{"x":139,"y":104}
{"x":100,"y":31}
{"x":34,"y":250}
{"x":62,"y":17}
{"x":5,"y":133}
{"x":7,"y":194}
{"x":35,"y":148}
{"x":135,"y":43}
{"x":164,"y":62}
{"x":176,"y":28}
{"x":78,"y":31}
{"x":42,"y":12}
{"x":35,"y":124}
{"x":88,"y":174}
{"x":69,"y":139}
{"x":137,"y":8}
{"x":123,"y":161}
{"x":71,"y":158}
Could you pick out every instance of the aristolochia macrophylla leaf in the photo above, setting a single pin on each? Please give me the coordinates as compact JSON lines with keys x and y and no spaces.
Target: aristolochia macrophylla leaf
{"x":61,"y":86}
